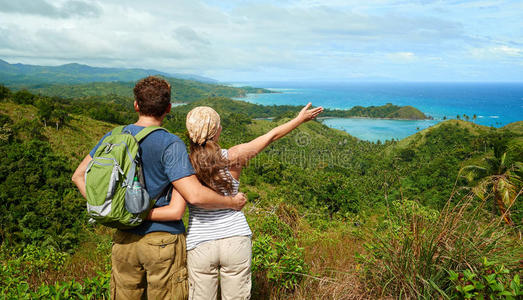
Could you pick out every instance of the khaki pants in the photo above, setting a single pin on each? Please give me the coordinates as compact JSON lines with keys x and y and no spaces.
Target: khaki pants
{"x":231,"y":257}
{"x":149,"y":267}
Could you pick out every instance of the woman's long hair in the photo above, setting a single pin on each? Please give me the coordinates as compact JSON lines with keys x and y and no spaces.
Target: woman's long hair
{"x":210,"y":166}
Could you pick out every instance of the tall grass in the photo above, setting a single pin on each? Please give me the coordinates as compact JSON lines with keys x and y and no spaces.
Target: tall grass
{"x":328,"y":247}
{"x":412,"y":251}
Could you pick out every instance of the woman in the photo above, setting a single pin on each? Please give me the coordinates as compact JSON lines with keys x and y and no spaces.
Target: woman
{"x":219,"y":241}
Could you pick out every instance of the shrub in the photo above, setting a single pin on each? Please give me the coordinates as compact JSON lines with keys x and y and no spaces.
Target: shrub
{"x":490,"y":282}
{"x":37,"y":202}
{"x":23,"y":97}
{"x":273,"y":226}
{"x":91,"y":288}
{"x":280,"y":264}
{"x":4,"y":92}
{"x":22,"y":263}
{"x":414,"y":249}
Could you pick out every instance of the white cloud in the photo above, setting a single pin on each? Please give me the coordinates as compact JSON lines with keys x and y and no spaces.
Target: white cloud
{"x":401,"y":56}
{"x":62,"y":9}
{"x":511,"y":51}
{"x":497,"y":52}
{"x":262,"y":40}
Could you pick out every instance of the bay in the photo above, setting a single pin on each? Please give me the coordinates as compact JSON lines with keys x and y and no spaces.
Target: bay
{"x":493,"y":104}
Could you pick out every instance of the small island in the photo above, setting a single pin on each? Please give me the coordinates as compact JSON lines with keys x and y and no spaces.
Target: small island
{"x":244,"y":90}
{"x":278,"y":112}
{"x":387,"y":111}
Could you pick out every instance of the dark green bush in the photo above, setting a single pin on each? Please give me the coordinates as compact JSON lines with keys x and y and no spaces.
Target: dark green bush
{"x":4,"y":92}
{"x":23,"y":97}
{"x":37,"y":201}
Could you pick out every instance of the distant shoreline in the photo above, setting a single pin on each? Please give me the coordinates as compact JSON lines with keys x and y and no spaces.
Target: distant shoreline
{"x":368,"y":118}
{"x":387,"y":111}
{"x":376,"y":118}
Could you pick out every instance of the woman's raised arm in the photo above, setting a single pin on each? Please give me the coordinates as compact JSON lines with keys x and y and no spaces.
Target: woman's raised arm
{"x":239,"y":155}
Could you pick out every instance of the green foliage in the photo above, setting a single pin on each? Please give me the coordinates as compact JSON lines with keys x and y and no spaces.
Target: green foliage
{"x":37,"y":201}
{"x":23,"y":97}
{"x":497,"y":179}
{"x":113,"y":109}
{"x":6,"y":130}
{"x":277,"y":260}
{"x":45,"y":108}
{"x":492,"y":281}
{"x":61,"y":118}
{"x":280,"y":263}
{"x":74,"y":73}
{"x":286,"y":115}
{"x":429,"y":164}
{"x":49,"y":110}
{"x":90,"y":288}
{"x":4,"y":119}
{"x":20,"y":263}
{"x":29,"y":129}
{"x":414,"y":248}
{"x":325,"y":175}
{"x":225,"y":106}
{"x":4,"y":92}
{"x":388,"y":110}
{"x":279,"y":112}
{"x":320,"y":189}
{"x":272,"y":226}
{"x":181,"y":90}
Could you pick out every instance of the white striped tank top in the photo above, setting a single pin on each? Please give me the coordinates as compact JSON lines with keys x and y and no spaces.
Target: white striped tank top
{"x":207,"y":225}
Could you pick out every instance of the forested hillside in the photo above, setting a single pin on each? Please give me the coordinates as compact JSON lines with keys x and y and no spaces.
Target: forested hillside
{"x":183,"y":90}
{"x":333,"y":217}
{"x":77,"y":73}
{"x":387,"y":111}
{"x":82,"y":81}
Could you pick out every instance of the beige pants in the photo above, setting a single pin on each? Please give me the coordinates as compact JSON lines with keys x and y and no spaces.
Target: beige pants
{"x":149,"y":267}
{"x":230,"y":258}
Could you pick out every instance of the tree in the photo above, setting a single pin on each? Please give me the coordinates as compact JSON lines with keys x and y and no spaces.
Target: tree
{"x":496,"y":179}
{"x":23,"y":97}
{"x":61,"y":117}
{"x":4,"y":92}
{"x":45,"y":110}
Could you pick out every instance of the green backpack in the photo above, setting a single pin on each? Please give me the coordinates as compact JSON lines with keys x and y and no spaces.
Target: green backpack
{"x":114,"y":181}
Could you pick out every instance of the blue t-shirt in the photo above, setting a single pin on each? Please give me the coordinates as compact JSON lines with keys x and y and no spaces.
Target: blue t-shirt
{"x":164,"y":159}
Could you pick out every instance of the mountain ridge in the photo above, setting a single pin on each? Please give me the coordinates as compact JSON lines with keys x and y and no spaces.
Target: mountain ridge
{"x":75,"y":73}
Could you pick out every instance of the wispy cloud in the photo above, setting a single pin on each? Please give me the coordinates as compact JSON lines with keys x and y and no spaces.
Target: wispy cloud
{"x":65,"y":9}
{"x":271,"y":40}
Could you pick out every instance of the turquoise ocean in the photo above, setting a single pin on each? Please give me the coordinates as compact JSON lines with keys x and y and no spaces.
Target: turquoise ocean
{"x":494,"y":104}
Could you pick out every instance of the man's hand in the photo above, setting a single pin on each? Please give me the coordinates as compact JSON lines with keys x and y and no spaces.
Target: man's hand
{"x":238,"y":201}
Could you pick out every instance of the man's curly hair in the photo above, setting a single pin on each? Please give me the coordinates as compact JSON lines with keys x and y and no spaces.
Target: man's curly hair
{"x":153,"y":95}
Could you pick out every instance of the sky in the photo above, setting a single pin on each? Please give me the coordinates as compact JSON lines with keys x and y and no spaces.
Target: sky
{"x":307,"y":40}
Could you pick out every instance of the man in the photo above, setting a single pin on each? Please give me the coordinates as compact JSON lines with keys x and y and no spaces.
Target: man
{"x":150,"y":260}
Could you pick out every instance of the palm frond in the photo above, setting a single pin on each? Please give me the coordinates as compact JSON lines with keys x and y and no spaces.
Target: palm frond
{"x":473,"y":172}
{"x":493,"y":164}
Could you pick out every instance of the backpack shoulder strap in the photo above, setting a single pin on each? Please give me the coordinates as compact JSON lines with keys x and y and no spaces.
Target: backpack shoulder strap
{"x":117,"y":130}
{"x":146,"y":131}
